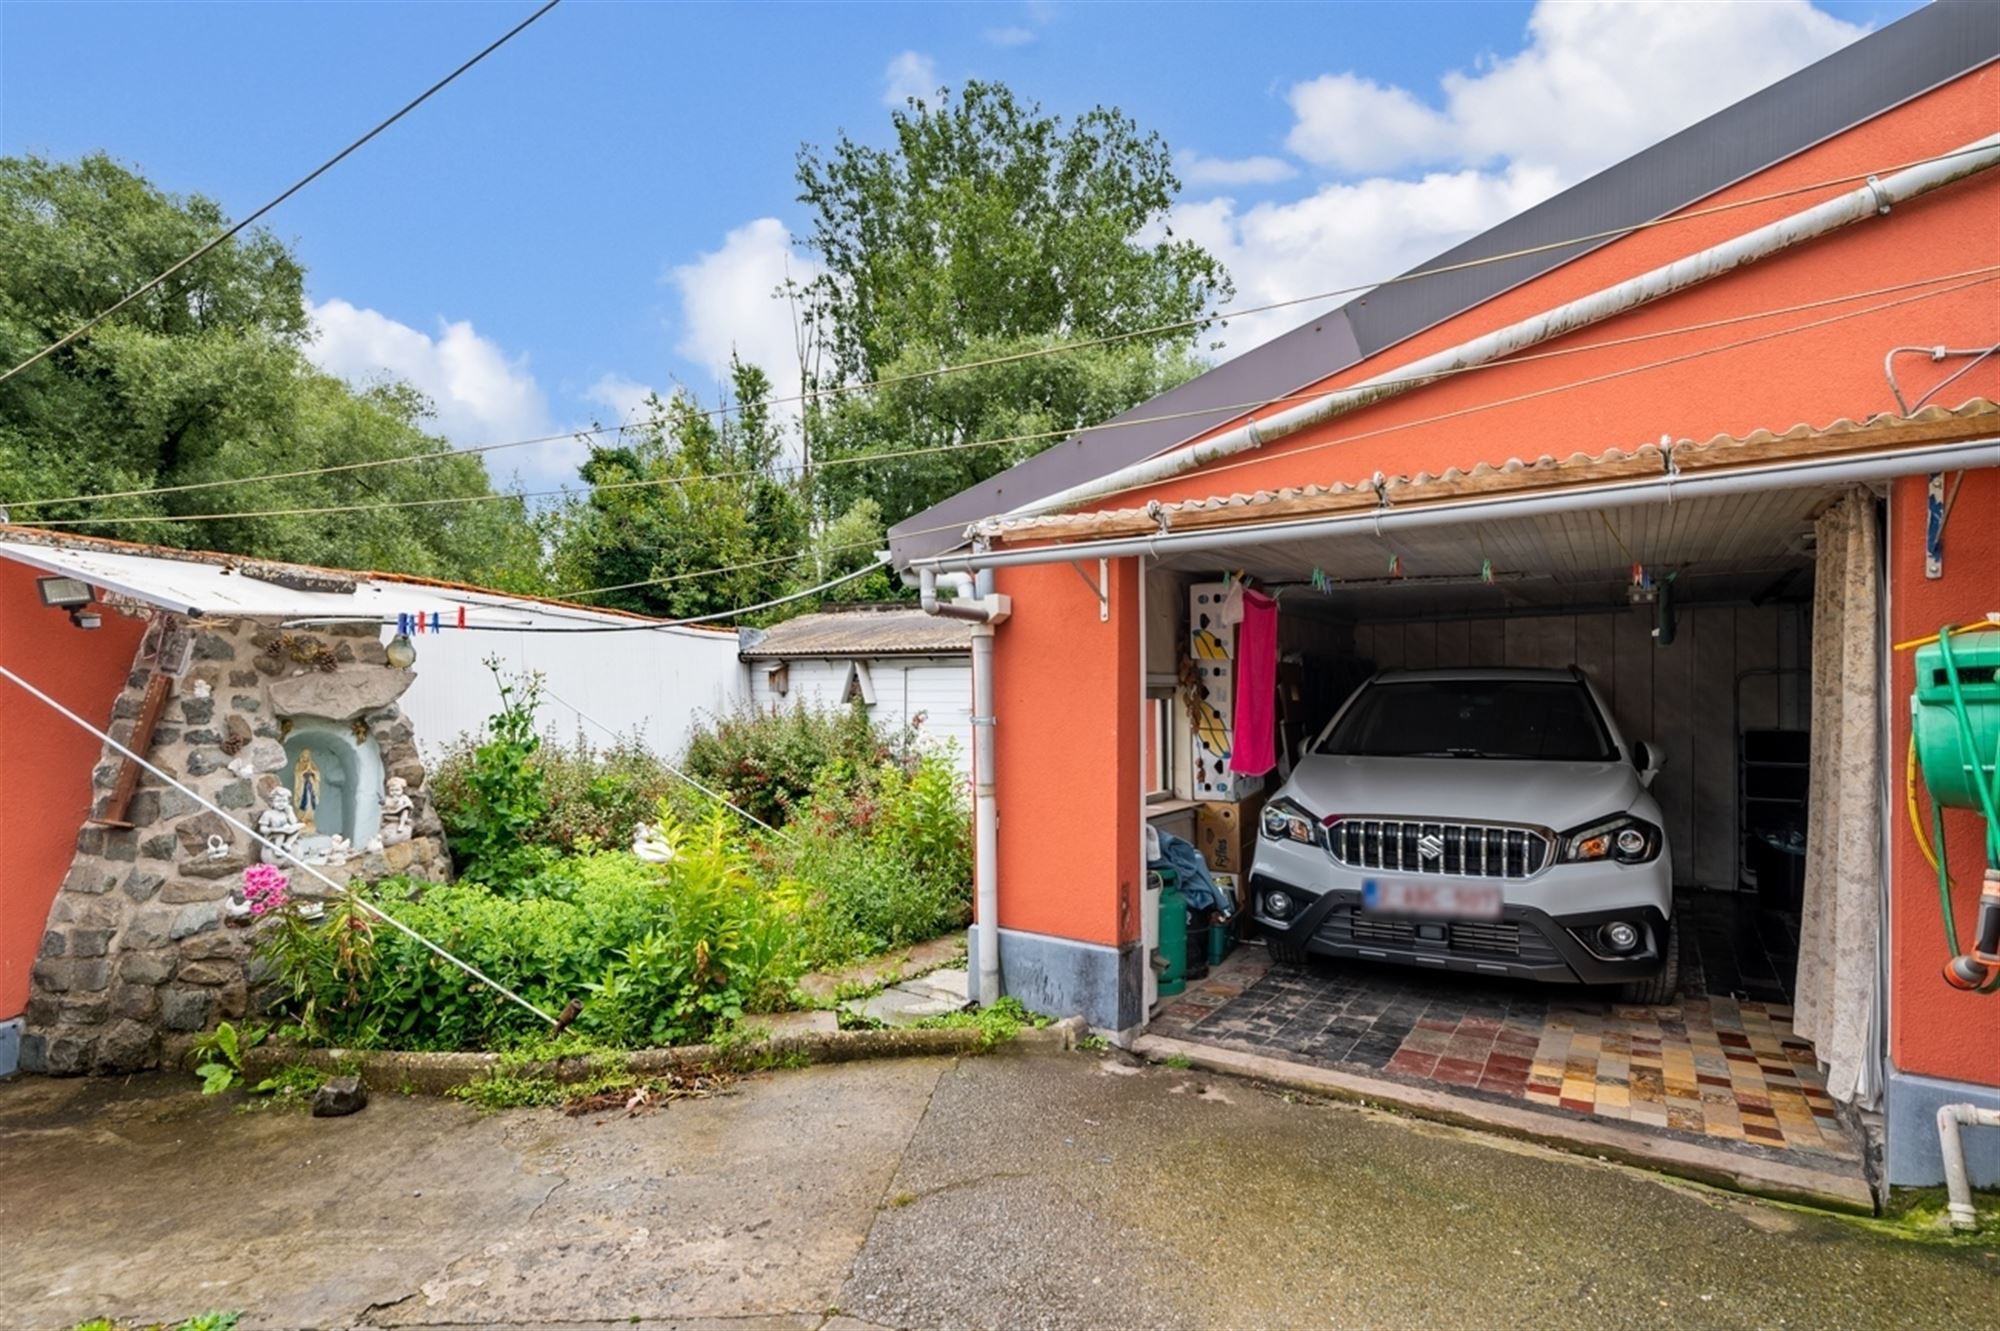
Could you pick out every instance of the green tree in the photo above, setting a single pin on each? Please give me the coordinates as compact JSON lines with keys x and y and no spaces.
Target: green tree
{"x":205,"y":379}
{"x":990,"y":228}
{"x":690,"y":490}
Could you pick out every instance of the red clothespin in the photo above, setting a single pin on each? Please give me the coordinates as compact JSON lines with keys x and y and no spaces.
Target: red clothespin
{"x":461,"y":616}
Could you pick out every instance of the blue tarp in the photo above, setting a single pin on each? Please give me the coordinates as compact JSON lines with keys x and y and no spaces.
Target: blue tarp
{"x":1180,"y":855}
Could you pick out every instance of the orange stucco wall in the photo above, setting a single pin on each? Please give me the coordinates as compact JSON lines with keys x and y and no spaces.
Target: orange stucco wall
{"x":1063,"y":826}
{"x":1934,"y":1029}
{"x":1066,"y":757}
{"x":45,"y":761}
{"x":1817,"y":375}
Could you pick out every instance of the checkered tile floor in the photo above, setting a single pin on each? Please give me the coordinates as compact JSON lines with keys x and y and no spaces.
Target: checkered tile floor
{"x":1717,"y":1067}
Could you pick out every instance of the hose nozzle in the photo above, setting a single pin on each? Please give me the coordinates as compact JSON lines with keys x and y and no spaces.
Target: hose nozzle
{"x":1978,"y":968}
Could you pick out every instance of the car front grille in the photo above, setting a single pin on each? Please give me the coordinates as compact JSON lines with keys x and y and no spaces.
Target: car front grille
{"x":1459,"y":850}
{"x":1345,"y":926}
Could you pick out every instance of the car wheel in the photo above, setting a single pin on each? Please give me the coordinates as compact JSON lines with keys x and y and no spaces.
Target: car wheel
{"x":1664,"y":987}
{"x":1285,"y":950}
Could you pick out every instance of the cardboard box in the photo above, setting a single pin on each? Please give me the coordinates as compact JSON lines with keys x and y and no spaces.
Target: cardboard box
{"x":1225,"y":831}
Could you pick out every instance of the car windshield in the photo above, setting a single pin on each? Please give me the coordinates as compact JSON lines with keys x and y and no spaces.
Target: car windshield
{"x":1550,"y":720}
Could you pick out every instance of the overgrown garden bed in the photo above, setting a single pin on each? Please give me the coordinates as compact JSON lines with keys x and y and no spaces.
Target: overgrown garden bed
{"x":599,"y":878}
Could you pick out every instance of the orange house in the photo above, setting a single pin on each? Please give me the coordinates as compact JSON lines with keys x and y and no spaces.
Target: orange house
{"x":1682,"y":369}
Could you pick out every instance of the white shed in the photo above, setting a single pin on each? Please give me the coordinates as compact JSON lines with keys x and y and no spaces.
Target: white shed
{"x":909,"y":668}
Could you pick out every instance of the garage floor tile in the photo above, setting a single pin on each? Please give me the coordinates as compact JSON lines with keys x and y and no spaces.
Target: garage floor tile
{"x":1720,"y":1067}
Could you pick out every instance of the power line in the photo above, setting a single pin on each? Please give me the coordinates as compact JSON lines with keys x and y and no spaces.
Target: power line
{"x":1062,"y":348}
{"x":1215,"y":413}
{"x":318,"y":171}
{"x":1988,"y":274}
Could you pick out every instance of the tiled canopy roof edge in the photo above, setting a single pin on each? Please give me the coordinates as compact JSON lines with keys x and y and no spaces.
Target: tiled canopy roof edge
{"x":1720,"y":452}
{"x":1899,"y":61}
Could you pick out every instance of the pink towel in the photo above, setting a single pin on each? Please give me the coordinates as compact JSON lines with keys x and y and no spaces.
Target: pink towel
{"x":1254,"y":750}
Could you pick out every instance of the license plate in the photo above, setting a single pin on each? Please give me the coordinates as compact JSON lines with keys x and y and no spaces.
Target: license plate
{"x":1457,"y":901}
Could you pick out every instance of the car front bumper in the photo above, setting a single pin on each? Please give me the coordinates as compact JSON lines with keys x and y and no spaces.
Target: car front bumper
{"x":1546,"y":930}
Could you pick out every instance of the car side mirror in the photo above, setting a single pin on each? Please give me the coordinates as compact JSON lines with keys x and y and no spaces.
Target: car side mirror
{"x":1648,"y":759}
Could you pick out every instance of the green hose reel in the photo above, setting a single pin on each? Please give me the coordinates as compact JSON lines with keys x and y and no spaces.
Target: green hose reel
{"x":1955,"y":771}
{"x":1955,"y":737}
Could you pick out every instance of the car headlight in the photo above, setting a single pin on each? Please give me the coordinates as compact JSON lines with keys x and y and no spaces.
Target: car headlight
{"x":1287,"y":821}
{"x":1622,"y":838}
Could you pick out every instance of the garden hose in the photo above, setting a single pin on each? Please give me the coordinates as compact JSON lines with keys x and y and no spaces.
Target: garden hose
{"x":1979,"y":969}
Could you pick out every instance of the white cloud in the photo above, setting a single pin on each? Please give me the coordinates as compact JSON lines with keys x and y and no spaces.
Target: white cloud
{"x":728,"y":302}
{"x":1595,"y":83}
{"x":623,"y":399}
{"x":1344,"y":235}
{"x":1009,"y":36}
{"x":1199,"y":169}
{"x":480,"y":394}
{"x":911,"y":74}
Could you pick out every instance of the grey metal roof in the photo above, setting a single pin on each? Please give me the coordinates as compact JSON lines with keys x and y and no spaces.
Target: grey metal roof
{"x":1930,"y":47}
{"x":858,"y":632}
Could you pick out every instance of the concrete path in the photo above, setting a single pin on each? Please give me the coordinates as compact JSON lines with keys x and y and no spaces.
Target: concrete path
{"x":1015,"y":1190}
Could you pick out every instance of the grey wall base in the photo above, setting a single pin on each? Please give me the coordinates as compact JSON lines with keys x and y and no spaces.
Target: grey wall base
{"x":10,"y":1046}
{"x":1909,"y":1112}
{"x":1060,"y":977}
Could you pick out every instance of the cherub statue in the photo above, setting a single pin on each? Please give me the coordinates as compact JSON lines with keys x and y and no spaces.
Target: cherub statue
{"x":398,"y":811}
{"x":280,"y":826}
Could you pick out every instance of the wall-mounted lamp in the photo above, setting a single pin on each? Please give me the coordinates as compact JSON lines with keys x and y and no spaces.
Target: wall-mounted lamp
{"x":401,"y":651}
{"x":73,"y":595}
{"x":64,"y":593}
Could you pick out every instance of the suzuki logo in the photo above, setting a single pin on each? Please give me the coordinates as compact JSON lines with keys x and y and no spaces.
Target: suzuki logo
{"x":1430,"y":846}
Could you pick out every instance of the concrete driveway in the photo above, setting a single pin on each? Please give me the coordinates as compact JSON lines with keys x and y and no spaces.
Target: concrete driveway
{"x":1016,"y":1190}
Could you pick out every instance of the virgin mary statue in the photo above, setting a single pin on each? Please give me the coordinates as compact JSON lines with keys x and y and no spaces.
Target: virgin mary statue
{"x":305,"y":790}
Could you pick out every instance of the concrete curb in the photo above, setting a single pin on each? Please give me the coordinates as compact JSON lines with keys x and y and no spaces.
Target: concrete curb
{"x":438,"y":1073}
{"x":1826,"y":1189}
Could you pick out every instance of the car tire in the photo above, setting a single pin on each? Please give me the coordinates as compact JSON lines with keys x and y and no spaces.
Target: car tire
{"x":1664,"y":987}
{"x":1285,"y":950}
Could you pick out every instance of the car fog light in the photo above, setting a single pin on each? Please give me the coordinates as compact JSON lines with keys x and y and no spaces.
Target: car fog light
{"x":1620,"y":936}
{"x":1278,"y":905}
{"x":1631,"y":841}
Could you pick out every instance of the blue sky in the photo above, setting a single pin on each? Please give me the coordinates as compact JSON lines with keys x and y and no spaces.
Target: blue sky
{"x":603,"y":206}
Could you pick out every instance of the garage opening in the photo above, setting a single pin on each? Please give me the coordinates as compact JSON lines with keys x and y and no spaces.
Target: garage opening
{"x":1488,"y":738}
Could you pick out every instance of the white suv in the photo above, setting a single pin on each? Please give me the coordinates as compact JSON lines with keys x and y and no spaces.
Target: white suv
{"x":1487,"y":820}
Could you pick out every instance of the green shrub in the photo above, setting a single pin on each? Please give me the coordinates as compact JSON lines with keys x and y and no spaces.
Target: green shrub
{"x":885,"y":861}
{"x":498,"y":804}
{"x":770,"y":763}
{"x":657,"y":953}
{"x":595,"y":797}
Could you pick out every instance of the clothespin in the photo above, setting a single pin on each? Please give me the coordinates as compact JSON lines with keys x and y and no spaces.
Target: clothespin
{"x":436,"y":624}
{"x":1486,"y":571}
{"x":1640,"y":577}
{"x":1319,"y":579}
{"x":1395,"y":566}
{"x":461,"y":616}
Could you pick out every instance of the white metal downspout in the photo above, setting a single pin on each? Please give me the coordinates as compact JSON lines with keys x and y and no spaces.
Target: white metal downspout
{"x":984,"y":610}
{"x":1871,"y":199}
{"x":1957,"y":1188}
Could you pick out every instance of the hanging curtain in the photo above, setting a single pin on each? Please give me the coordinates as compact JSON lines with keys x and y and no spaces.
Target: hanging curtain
{"x":1840,"y":924}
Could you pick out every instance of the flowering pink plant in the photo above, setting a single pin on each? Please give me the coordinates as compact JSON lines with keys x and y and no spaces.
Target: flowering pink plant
{"x":265,"y":888}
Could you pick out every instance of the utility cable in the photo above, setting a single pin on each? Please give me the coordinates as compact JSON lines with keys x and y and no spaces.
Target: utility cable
{"x":318,"y":171}
{"x":1156,"y":330}
{"x":1218,"y":413}
{"x":715,"y":795}
{"x":262,"y":840}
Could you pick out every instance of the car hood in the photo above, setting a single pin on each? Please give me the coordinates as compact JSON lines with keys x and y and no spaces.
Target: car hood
{"x":1558,"y":796}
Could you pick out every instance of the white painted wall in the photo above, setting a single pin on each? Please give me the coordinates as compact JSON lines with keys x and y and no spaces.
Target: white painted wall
{"x":657,"y":684}
{"x":939,"y":688}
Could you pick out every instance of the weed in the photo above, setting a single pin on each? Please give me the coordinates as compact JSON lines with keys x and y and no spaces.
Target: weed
{"x":208,"y":1321}
{"x":1094,"y":1043}
{"x":902,"y":1199}
{"x":1178,"y":1062}
{"x":219,"y":1055}
{"x":996,"y":1024}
